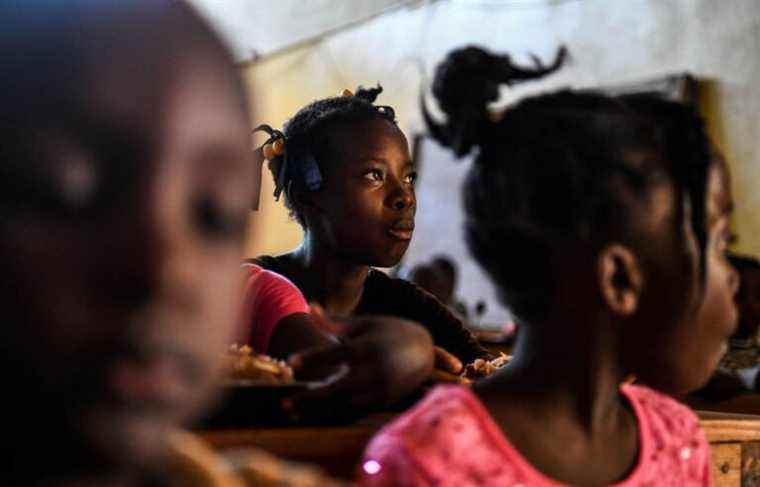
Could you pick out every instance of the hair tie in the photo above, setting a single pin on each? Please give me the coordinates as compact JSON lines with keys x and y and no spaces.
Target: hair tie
{"x":288,"y":164}
{"x":267,"y":151}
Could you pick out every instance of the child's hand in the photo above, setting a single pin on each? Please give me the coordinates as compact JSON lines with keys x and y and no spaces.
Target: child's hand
{"x":447,"y":361}
{"x":379,"y":360}
{"x":323,"y":322}
{"x":448,"y":368}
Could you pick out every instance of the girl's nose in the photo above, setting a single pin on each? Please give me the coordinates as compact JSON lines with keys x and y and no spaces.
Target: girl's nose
{"x":402,"y":200}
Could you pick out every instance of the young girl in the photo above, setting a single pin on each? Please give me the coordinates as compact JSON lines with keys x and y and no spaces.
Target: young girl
{"x":348,"y":179}
{"x":604,"y":222}
{"x":366,"y":362}
{"x":738,"y":371}
{"x":125,"y":194}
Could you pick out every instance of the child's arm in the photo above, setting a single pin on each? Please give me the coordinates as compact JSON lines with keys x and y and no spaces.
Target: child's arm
{"x":383,"y":358}
{"x":298,"y":332}
{"x":447,"y":329}
{"x":276,"y":316}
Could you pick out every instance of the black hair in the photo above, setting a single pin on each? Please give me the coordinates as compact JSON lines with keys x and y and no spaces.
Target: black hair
{"x":743,"y":262}
{"x":52,"y":55}
{"x":559,"y":168}
{"x":445,"y":264}
{"x":307,"y":147}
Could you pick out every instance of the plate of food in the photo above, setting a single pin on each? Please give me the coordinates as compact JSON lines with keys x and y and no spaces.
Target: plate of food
{"x":256,"y":391}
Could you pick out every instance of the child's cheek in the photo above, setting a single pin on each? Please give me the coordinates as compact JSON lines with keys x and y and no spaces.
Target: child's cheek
{"x":718,"y":315}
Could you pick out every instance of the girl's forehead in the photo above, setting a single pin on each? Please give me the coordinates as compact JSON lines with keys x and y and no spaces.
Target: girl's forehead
{"x":367,"y":138}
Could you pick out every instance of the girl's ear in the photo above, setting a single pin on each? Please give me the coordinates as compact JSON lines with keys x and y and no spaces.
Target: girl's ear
{"x":621,"y":280}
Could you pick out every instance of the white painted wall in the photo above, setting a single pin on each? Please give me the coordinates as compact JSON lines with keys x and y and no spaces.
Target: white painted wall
{"x":610,"y":41}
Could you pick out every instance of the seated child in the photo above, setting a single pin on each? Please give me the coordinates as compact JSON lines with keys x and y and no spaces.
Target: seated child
{"x":603,"y":222}
{"x":388,"y":359}
{"x":737,"y":373}
{"x":125,"y":199}
{"x":348,"y":178}
{"x":743,"y":356}
{"x":439,"y":278}
{"x":270,"y":298}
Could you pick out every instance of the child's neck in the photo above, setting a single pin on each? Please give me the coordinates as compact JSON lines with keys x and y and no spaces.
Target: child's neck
{"x":328,"y":279}
{"x":578,"y":372}
{"x":559,"y":403}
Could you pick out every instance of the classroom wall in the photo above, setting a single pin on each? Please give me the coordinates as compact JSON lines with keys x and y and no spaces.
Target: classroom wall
{"x":610,"y":41}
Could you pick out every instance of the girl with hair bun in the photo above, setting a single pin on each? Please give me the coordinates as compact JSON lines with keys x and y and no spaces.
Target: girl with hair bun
{"x":346,"y":173}
{"x":603,"y":222}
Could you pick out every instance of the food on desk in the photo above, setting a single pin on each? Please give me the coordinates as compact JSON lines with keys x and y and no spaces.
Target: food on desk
{"x":476,"y":370}
{"x":262,"y":469}
{"x":242,"y":364}
{"x":483,"y":368}
{"x":192,"y":462}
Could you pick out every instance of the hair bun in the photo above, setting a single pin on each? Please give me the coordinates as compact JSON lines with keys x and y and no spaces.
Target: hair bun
{"x":369,"y":94}
{"x":466,"y":82}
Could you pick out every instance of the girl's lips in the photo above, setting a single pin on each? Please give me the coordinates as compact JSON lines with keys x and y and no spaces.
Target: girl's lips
{"x":402,"y":229}
{"x":400,"y":234}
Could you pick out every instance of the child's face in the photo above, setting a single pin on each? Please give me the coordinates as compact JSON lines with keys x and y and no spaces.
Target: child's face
{"x":119,"y":318}
{"x":368,"y":204}
{"x":689,"y":351}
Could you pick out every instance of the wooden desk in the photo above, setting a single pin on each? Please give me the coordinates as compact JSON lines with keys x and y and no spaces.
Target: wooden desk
{"x":734,"y":440}
{"x":735,"y":444}
{"x":337,"y":449}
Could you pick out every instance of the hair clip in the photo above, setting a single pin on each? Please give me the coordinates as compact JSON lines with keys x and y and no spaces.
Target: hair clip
{"x":346,"y":92}
{"x":311,"y":175}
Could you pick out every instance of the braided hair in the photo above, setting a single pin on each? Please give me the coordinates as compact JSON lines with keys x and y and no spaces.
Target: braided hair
{"x":307,"y":148}
{"x":560,"y":168}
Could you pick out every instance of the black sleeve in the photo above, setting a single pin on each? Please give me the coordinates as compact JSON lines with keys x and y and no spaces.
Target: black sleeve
{"x":267,"y":262}
{"x":412,"y":302}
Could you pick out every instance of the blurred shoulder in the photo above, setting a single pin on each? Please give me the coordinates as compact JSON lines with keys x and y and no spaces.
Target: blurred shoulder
{"x":668,"y":420}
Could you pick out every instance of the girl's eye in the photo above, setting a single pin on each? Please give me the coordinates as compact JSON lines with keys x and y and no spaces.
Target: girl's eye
{"x":218,"y":223}
{"x":411,"y":178}
{"x":374,"y":175}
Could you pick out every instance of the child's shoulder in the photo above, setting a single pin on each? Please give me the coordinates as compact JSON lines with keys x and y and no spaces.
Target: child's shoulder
{"x":443,"y":405}
{"x":674,"y":447}
{"x":664,"y":413}
{"x":443,"y":440}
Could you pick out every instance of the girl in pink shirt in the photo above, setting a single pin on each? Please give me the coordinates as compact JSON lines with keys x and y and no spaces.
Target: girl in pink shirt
{"x":603,"y":221}
{"x":269,"y":298}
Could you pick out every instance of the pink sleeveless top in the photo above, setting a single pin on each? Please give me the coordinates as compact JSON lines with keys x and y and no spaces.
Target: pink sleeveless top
{"x":450,"y":440}
{"x":269,"y":297}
